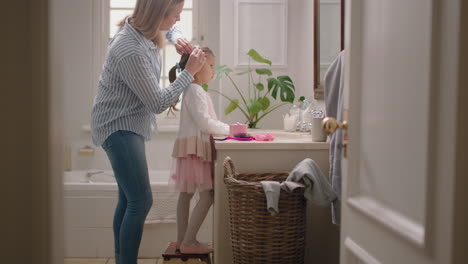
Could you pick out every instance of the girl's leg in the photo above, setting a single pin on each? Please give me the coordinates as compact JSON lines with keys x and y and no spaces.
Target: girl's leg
{"x":183,"y":207}
{"x":126,"y":152}
{"x":198,"y":215}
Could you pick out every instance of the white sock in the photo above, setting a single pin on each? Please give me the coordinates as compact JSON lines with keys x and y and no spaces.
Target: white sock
{"x":198,"y":216}
{"x":183,"y":207}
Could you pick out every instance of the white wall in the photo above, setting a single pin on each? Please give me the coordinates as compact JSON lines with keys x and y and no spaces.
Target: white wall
{"x":80,"y":80}
{"x":216,"y":26}
{"x":300,"y":56}
{"x":330,"y":35}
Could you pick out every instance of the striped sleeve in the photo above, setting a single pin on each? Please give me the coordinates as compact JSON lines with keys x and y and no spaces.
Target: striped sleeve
{"x":137,"y":73}
{"x":174,"y":34}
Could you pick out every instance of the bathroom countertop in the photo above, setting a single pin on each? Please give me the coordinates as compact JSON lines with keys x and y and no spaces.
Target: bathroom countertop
{"x":283,"y":140}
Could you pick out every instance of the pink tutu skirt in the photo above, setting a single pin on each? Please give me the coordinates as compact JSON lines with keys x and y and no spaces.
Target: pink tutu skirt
{"x":192,"y":174}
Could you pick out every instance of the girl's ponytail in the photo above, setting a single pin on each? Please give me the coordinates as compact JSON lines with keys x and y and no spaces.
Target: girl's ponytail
{"x":180,"y":66}
{"x":183,"y":61}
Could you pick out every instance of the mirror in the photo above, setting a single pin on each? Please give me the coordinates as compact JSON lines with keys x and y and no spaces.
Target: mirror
{"x":328,"y":38}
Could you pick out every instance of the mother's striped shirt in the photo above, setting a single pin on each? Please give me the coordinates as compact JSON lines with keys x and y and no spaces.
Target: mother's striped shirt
{"x":128,"y":95}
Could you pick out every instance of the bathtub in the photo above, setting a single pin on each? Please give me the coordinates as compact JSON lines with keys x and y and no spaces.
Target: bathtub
{"x":90,"y":198}
{"x":102,"y":180}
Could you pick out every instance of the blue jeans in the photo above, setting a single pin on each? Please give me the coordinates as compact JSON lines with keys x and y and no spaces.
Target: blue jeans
{"x":126,"y":152}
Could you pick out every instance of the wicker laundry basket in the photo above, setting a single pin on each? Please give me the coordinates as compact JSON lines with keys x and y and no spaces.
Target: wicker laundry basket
{"x":256,"y":236}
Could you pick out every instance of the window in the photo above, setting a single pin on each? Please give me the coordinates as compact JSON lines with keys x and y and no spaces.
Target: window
{"x":122,"y":8}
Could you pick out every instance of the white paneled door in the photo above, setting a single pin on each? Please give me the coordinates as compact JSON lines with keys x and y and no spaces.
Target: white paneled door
{"x":392,"y":189}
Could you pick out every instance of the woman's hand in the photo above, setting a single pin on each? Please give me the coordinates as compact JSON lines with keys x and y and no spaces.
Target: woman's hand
{"x":183,"y":46}
{"x":195,"y":62}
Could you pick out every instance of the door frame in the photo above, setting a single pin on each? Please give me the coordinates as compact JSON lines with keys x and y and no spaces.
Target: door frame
{"x":460,"y":254}
{"x":49,"y":107}
{"x":56,"y":127}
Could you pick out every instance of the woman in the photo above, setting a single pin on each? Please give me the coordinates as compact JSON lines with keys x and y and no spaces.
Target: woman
{"x":127,"y":100}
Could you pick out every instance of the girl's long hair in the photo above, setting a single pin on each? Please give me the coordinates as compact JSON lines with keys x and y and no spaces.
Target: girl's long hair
{"x":181,"y":64}
{"x":148,"y":16}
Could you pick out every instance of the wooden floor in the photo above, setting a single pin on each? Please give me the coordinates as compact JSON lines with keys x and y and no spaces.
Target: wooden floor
{"x":107,"y":261}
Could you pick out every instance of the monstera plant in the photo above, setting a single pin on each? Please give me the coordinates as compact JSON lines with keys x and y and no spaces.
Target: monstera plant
{"x":257,"y":98}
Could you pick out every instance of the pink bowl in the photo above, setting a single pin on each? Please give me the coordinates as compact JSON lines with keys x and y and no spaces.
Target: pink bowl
{"x":237,"y":129}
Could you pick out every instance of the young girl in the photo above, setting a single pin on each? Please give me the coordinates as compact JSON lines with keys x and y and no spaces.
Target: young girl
{"x":194,"y":154}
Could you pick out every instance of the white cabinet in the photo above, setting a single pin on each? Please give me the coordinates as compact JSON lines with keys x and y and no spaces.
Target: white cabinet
{"x":280,"y":155}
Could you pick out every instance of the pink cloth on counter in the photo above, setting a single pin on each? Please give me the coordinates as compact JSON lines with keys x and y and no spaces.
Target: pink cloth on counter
{"x":264,"y":137}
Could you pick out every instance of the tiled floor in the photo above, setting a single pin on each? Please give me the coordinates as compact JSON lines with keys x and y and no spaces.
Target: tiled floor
{"x":108,"y":261}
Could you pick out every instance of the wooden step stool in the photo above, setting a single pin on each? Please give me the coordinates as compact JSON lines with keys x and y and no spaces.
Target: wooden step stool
{"x":173,"y":256}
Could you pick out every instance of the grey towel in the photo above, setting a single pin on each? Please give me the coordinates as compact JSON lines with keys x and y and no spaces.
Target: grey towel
{"x":272,"y":191}
{"x":334,"y":81}
{"x":317,"y":188}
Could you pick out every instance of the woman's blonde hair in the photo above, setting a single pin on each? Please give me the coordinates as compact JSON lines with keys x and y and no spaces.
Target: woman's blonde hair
{"x":148,"y":16}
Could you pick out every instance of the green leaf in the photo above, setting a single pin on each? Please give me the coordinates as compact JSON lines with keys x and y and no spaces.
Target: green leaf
{"x":244,"y":72}
{"x":301,"y":99}
{"x":265,"y":102}
{"x":223,"y":69}
{"x":205,"y":87}
{"x":231,"y":107}
{"x":271,"y":83}
{"x":285,"y":78}
{"x":286,"y":87}
{"x":257,"y":57}
{"x":260,"y":86}
{"x":275,"y":91}
{"x":287,"y":96}
{"x":254,"y":106}
{"x":264,"y":71}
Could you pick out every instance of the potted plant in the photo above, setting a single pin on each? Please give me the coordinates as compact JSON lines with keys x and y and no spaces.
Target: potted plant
{"x":256,"y":103}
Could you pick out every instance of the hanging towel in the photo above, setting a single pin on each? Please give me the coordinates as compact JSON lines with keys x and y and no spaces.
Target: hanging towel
{"x":272,"y":191}
{"x":334,"y":82}
{"x":317,"y":188}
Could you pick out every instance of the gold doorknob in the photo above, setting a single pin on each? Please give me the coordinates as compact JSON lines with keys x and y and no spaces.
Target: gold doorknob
{"x":330,"y":125}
